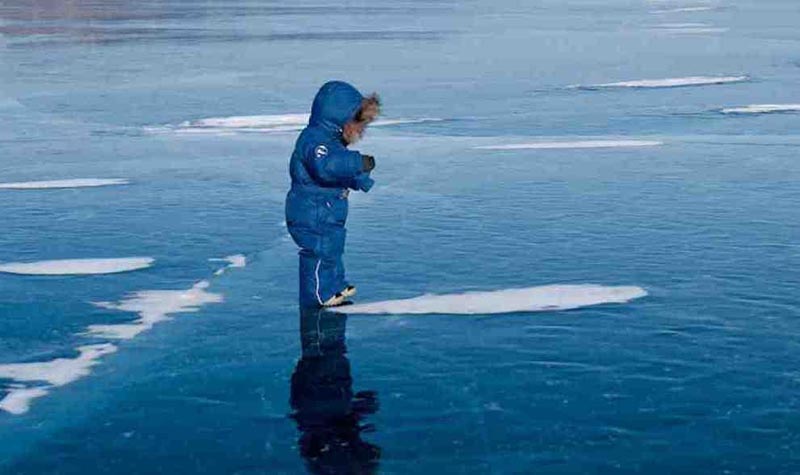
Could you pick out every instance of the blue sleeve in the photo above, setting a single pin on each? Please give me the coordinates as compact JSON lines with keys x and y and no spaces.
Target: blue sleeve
{"x":332,"y":165}
{"x":362,"y":182}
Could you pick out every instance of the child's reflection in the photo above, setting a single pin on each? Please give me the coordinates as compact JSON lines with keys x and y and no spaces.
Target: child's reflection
{"x":328,"y":413}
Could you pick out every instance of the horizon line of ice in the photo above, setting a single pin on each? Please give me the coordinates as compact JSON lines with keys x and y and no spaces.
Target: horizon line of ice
{"x":670,"y":82}
{"x":530,"y":299}
{"x":88,"y":266}
{"x":580,"y":144}
{"x":62,"y":184}
{"x":762,"y":109}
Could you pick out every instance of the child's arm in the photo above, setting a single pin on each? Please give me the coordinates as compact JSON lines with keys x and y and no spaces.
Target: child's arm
{"x":332,"y":165}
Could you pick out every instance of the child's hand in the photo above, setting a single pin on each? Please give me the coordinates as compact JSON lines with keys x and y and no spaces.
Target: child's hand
{"x":368,"y":162}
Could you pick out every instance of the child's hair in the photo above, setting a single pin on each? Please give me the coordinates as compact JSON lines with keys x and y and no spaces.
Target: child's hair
{"x":370,"y":109}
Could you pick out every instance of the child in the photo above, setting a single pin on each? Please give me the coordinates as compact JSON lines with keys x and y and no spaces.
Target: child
{"x":323,"y":172}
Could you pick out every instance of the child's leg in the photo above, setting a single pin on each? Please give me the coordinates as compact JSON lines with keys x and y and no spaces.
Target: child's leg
{"x":321,"y":270}
{"x":340,"y":280}
{"x":331,"y":274}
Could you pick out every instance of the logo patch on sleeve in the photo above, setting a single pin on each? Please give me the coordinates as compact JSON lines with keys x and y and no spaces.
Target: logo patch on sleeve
{"x":321,"y":151}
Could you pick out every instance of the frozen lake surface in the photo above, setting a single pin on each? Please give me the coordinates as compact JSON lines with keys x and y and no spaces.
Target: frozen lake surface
{"x":580,"y":256}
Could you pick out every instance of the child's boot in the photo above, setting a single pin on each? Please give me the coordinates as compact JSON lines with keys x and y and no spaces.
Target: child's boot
{"x":334,"y":301}
{"x":349,"y":291}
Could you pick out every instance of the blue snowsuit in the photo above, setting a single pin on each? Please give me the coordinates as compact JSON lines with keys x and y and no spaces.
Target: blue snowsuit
{"x":323,"y":171}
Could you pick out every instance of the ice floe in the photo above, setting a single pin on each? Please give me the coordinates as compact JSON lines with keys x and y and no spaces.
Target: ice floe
{"x":60,"y":184}
{"x":579,"y":144}
{"x":669,"y":82}
{"x":762,"y":109}
{"x":531,"y":299}
{"x":77,"y":266}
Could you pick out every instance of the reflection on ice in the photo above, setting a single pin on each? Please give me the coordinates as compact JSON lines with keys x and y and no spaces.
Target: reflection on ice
{"x":329,"y":414}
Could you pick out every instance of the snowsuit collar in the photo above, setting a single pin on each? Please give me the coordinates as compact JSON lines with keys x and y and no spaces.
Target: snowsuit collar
{"x":335,"y":104}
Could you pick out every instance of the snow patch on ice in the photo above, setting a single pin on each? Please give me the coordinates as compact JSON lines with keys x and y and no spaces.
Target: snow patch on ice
{"x":670,"y":82}
{"x":762,"y":109}
{"x":77,"y":266}
{"x":580,"y":144}
{"x":153,"y":306}
{"x":34,"y":380}
{"x":682,"y":25}
{"x":61,"y":184}
{"x":234,"y":261}
{"x":684,"y":9}
{"x":531,"y":299}
{"x":261,"y":124}
{"x":54,"y":373}
{"x":690,"y":29}
{"x":18,"y":400}
{"x":59,"y":371}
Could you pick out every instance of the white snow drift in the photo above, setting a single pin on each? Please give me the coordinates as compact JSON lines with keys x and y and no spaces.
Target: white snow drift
{"x":684,"y":9}
{"x":531,"y":299}
{"x":48,"y":374}
{"x":60,"y":184}
{"x":762,"y":109}
{"x":153,"y":306}
{"x":77,"y":266}
{"x":33,"y":380}
{"x":671,"y":82}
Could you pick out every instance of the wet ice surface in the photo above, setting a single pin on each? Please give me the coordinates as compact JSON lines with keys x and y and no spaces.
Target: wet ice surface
{"x":209,"y":358}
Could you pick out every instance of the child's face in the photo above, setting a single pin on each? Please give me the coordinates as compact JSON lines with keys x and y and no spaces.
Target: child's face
{"x":353,"y":131}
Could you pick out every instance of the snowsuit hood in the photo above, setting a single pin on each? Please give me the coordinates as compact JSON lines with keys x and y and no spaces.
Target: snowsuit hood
{"x":335,"y":104}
